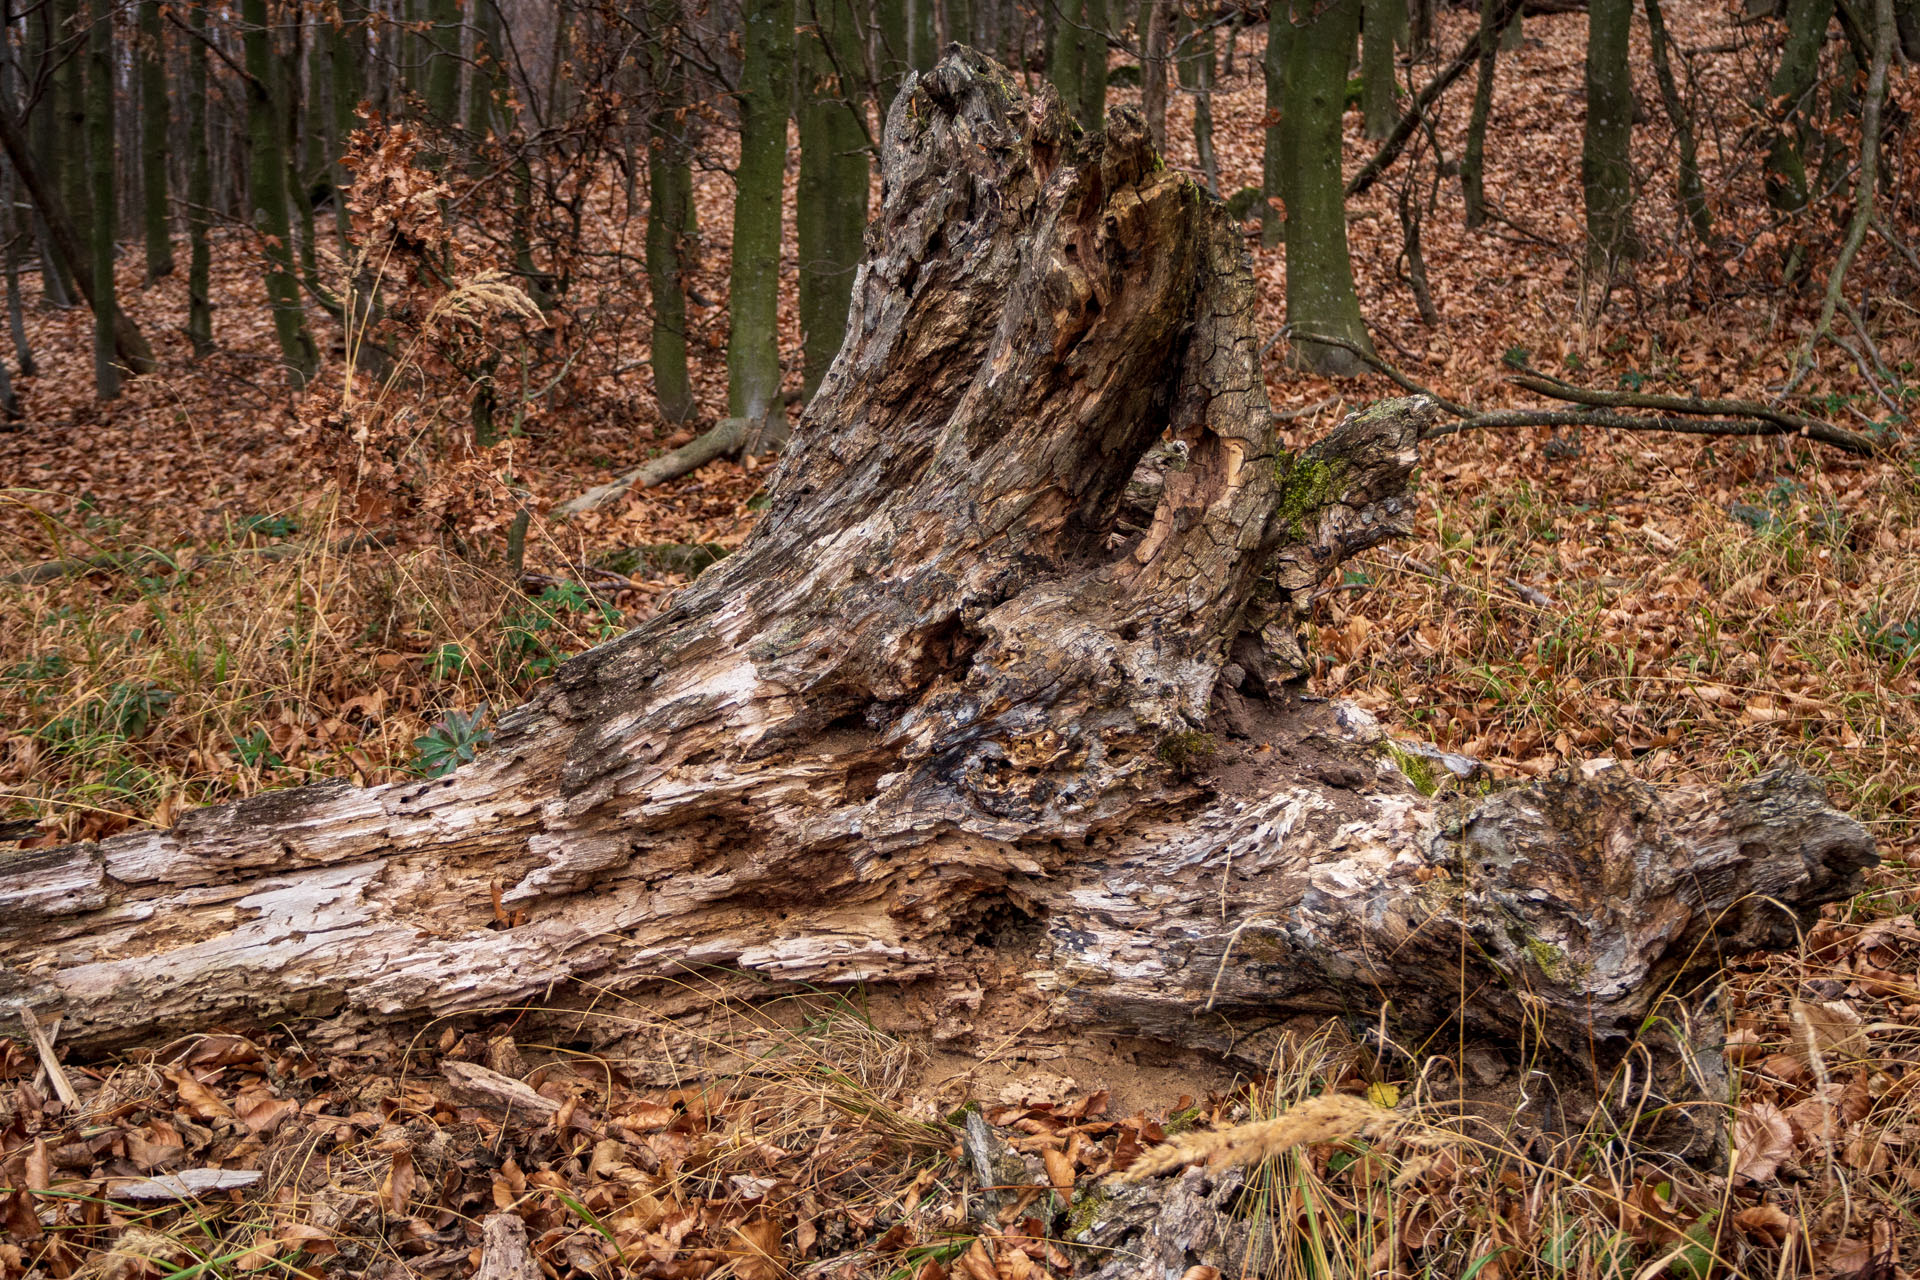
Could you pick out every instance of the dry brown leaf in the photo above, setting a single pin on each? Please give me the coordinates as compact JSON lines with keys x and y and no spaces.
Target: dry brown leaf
{"x":977,"y":1264}
{"x":1059,"y":1171}
{"x":199,"y":1100}
{"x":1764,"y":1222}
{"x":762,"y":1257}
{"x":397,"y":1190}
{"x":1762,"y":1141}
{"x":1827,"y":1034}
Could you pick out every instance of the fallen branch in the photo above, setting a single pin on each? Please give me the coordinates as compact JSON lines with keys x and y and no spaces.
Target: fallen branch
{"x":1749,"y":418}
{"x":1748,"y":427}
{"x":1384,"y":369}
{"x":724,"y":439}
{"x":1786,"y":422}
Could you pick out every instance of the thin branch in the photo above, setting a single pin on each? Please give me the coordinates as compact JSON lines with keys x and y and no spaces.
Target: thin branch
{"x":1839,"y":437}
{"x":1410,"y":122}
{"x":1863,"y":197}
{"x":1749,"y":417}
{"x":1382,"y":367}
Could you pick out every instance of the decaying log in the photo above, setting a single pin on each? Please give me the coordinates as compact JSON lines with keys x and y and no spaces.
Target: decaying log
{"x":985,"y":703}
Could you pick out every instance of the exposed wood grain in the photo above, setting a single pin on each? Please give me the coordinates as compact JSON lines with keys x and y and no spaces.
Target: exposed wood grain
{"x":984,"y":703}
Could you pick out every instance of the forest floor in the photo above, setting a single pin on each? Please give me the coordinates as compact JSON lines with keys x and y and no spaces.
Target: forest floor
{"x":1697,"y":609}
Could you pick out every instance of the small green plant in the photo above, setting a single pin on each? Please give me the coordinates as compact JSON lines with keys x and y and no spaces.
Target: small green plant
{"x":270,"y":526}
{"x":256,"y":751}
{"x":448,"y":661}
{"x":1895,"y":643}
{"x":123,"y":714}
{"x":452,"y":742}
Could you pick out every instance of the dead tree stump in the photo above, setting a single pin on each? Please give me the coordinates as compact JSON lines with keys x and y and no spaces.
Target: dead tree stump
{"x":983,"y":704}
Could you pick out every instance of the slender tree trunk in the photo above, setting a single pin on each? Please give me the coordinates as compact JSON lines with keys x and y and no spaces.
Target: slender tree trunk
{"x":73,"y":252}
{"x":1420,"y":28}
{"x":443,"y":61}
{"x":1153,"y":70}
{"x":1473,"y":164}
{"x":669,"y":210}
{"x":887,"y":29}
{"x":199,"y":189}
{"x":70,"y":110}
{"x":13,"y":225}
{"x":1196,"y":64}
{"x":830,"y":205}
{"x":1606,"y":164}
{"x":956,"y":22}
{"x":16,"y":309}
{"x":1379,"y":29}
{"x":305,"y":120}
{"x":156,"y":117}
{"x":1066,"y":64}
{"x":766,"y":88}
{"x":56,"y":286}
{"x":1280,"y":38}
{"x":962,"y":713}
{"x":1786,"y":108}
{"x":1092,"y":106}
{"x":923,"y":41}
{"x":1693,"y":196}
{"x":268,"y":197}
{"x":101,"y":224}
{"x":1320,"y":293}
{"x":346,"y":60}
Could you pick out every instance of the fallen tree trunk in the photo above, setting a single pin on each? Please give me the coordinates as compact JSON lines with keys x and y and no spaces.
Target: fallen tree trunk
{"x":994,"y":699}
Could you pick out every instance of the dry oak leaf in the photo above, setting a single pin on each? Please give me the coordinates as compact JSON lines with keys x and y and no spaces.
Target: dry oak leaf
{"x":1762,"y":1141}
{"x":1827,"y":1034}
{"x":398,"y":1187}
{"x":977,"y":1264}
{"x":761,"y":1257}
{"x":1766,"y":1222}
{"x":196,"y":1097}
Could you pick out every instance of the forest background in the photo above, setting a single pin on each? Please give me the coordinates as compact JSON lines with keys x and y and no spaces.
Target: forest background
{"x":338,"y":333}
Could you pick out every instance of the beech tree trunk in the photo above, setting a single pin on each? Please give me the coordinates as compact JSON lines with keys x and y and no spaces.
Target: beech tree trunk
{"x":155,"y":119}
{"x":1606,"y":165}
{"x":993,"y":701}
{"x":102,"y":224}
{"x":267,"y":197}
{"x":765,"y":95}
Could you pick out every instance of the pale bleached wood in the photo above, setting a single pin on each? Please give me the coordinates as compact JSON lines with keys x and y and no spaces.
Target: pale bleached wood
{"x":963,"y":711}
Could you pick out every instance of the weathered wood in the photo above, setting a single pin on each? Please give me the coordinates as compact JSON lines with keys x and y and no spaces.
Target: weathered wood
{"x":984,"y":702}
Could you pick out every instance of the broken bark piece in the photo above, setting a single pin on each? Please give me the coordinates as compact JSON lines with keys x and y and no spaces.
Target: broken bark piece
{"x":940,"y":718}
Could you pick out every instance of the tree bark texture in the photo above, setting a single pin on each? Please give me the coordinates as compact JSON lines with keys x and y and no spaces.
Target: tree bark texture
{"x":1379,"y":28}
{"x":1788,"y":99}
{"x":267,"y":181}
{"x":765,"y":98}
{"x":1196,"y":64}
{"x":102,"y":224}
{"x":155,"y":119}
{"x":1606,"y":163}
{"x":1321,"y":298}
{"x":1273,"y":171}
{"x":1693,"y":196}
{"x":199,"y":189}
{"x":954,"y":715}
{"x":669,"y":216}
{"x":830,"y":203}
{"x":1473,"y":162}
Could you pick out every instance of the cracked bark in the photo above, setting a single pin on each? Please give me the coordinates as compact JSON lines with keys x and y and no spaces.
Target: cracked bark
{"x":993,"y":699}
